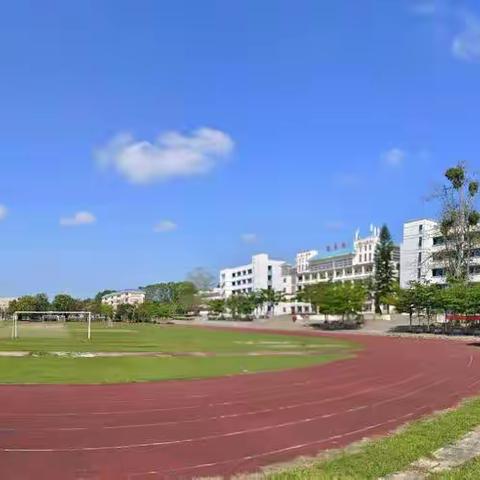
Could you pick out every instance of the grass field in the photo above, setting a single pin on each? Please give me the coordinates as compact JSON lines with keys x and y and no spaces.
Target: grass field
{"x":226,"y":352}
{"x":395,"y":453}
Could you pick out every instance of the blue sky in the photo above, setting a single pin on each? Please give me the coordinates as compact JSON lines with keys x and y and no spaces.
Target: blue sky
{"x":142,"y":139}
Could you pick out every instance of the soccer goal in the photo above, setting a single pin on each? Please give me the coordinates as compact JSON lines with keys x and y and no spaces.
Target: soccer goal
{"x":38,"y":324}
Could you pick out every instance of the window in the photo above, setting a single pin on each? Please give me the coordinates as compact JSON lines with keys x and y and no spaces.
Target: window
{"x":419,"y":257}
{"x":420,"y":228}
{"x":438,"y":241}
{"x":419,"y":274}
{"x":438,"y":272}
{"x":250,"y":271}
{"x":420,"y":241}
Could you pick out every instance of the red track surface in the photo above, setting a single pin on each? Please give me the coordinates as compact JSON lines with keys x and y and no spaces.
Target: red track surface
{"x":180,"y":430}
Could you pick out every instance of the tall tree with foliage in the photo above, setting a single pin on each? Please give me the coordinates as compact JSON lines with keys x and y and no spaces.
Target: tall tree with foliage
{"x":217,"y":306}
{"x":64,"y":303}
{"x":459,"y":222}
{"x":335,"y":298}
{"x":384,"y":276}
{"x":30,"y":303}
{"x":182,"y":295}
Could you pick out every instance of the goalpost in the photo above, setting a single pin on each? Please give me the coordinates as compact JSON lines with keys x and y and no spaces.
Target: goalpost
{"x":88,"y":315}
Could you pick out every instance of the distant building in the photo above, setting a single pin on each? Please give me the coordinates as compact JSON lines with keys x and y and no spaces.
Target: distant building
{"x":4,"y":304}
{"x":422,"y":255}
{"x":131,"y":297}
{"x":344,"y":264}
{"x":262,"y":273}
{"x":420,"y":240}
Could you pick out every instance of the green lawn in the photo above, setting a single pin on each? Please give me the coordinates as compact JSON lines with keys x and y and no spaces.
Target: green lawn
{"x":124,"y":337}
{"x":395,"y":453}
{"x":139,"y":369}
{"x":228,"y":349}
{"x":469,"y":471}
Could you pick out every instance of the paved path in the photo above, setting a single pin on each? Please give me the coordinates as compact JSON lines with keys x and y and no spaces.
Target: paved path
{"x":186,"y":429}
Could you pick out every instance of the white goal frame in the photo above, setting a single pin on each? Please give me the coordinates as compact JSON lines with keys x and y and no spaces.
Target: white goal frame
{"x":29,"y":312}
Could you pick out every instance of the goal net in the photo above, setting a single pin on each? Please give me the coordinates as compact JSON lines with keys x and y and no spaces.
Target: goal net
{"x":49,"y":324}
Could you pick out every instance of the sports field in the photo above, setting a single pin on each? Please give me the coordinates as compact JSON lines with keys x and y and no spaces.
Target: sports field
{"x":61,"y":353}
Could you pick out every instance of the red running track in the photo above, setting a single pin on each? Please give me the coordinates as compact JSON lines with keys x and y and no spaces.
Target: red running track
{"x":223,"y":426}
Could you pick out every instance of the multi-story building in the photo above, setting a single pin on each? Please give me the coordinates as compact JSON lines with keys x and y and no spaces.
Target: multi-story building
{"x":345,"y":264}
{"x":131,"y":297}
{"x":263,"y":273}
{"x":303,"y":258}
{"x":421,"y":255}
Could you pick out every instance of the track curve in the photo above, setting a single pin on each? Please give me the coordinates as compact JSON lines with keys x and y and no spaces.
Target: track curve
{"x":228,"y":425}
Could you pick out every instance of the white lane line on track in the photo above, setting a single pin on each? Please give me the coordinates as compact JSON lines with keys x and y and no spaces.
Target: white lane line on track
{"x":206,"y":437}
{"x":287,"y":449}
{"x":316,"y":384}
{"x":241,"y":414}
{"x":172,"y":409}
{"x":470,"y":361}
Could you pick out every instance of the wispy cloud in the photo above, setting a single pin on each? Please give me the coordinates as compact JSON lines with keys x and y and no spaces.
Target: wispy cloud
{"x":466,"y":44}
{"x":394,"y":157}
{"x":78,"y":219}
{"x":3,"y":212}
{"x":165,"y":226}
{"x":172,"y":154}
{"x":249,"y":237}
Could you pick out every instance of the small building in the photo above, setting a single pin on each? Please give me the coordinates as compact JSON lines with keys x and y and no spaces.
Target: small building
{"x":122,"y":297}
{"x":4,"y":304}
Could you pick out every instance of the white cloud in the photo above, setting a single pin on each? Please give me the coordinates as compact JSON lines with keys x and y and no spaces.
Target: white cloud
{"x":394,"y":157}
{"x":249,"y":237}
{"x":165,"y":226}
{"x":3,"y":212}
{"x":173,"y":154}
{"x":466,"y":45}
{"x":79,"y":218}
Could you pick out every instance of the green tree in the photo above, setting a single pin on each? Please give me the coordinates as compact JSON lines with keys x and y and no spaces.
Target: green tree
{"x":217,"y":306}
{"x":30,"y":303}
{"x":405,"y":302}
{"x":335,"y":298}
{"x":126,"y":312}
{"x":384,"y":276}
{"x":106,"y":310}
{"x":269,"y":298}
{"x":458,"y":222}
{"x":64,"y":303}
{"x":427,"y":299}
